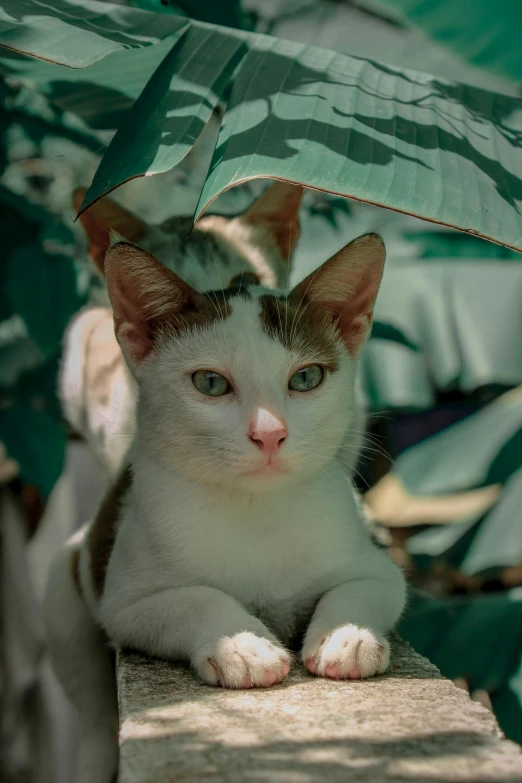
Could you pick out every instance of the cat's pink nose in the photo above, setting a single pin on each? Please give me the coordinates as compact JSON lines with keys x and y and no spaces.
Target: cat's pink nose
{"x":267,"y":431}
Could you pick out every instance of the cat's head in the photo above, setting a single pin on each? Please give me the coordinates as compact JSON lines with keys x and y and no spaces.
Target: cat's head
{"x":258,"y":243}
{"x":245,"y":387}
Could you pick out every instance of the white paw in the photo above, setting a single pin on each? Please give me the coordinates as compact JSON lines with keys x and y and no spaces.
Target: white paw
{"x":348,"y":652}
{"x":244,"y":661}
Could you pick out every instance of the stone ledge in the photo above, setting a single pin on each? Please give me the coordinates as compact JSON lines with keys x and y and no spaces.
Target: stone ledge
{"x":409,"y":725}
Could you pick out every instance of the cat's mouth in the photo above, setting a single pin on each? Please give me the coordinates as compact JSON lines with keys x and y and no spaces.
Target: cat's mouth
{"x":267,"y":469}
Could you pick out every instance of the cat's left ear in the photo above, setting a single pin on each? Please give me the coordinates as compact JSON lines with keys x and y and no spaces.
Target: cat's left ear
{"x":147,"y":300}
{"x":346,"y":286}
{"x":100,"y":219}
{"x":277,"y":212}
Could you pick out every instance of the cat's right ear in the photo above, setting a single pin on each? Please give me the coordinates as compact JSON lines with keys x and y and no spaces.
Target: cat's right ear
{"x":146,"y":298}
{"x":277,"y":213}
{"x":100,"y":219}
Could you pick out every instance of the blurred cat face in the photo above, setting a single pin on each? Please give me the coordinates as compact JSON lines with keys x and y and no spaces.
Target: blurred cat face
{"x":244,"y":387}
{"x":258,"y":243}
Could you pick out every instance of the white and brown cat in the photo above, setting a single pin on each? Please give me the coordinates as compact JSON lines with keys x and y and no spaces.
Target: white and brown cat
{"x":97,"y":391}
{"x":233,"y":537}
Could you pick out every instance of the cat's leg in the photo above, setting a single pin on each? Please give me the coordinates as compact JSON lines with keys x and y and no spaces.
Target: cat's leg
{"x":346,"y":637}
{"x":84,"y":665}
{"x":224,"y":643}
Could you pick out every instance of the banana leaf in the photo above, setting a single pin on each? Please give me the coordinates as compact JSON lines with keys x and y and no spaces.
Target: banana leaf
{"x":400,"y":139}
{"x":485,"y":33}
{"x":227,"y":12}
{"x":479,"y":639}
{"x":74,"y":33}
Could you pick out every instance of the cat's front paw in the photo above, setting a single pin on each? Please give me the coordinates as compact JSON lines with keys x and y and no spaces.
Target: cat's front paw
{"x":348,"y":652}
{"x":244,"y":661}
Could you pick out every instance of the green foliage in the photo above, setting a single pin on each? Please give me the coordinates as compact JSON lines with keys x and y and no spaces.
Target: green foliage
{"x":37,"y":442}
{"x":38,"y":285}
{"x":450,"y":245}
{"x":479,"y":639}
{"x":399,"y":139}
{"x":42,"y":288}
{"x":383,"y":331}
{"x":38,"y":296}
{"x":77,"y":34}
{"x":480,"y":31}
{"x":226,"y":12}
{"x":39,"y":118}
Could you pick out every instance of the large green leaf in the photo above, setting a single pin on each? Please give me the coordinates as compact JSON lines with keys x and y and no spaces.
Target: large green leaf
{"x":400,"y":139}
{"x":227,"y":12}
{"x":100,"y":94}
{"x":79,"y":32}
{"x":483,"y":32}
{"x":173,"y":109}
{"x":443,"y":152}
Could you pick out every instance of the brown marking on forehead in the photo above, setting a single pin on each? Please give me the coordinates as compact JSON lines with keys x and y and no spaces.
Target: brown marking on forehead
{"x":301,"y":327}
{"x":210,"y":307}
{"x":224,"y":295}
{"x":75,"y":570}
{"x":102,"y":534}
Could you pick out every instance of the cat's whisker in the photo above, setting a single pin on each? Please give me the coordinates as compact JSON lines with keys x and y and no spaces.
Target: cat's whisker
{"x":364,"y":448}
{"x":288,"y":257}
{"x":217,"y":464}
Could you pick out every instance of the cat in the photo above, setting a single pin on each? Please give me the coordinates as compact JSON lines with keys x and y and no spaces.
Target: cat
{"x":97,"y":391}
{"x":232,"y":538}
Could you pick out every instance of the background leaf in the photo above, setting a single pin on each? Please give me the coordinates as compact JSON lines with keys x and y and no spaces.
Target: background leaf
{"x":382,"y":331}
{"x":489,"y":38}
{"x":41,"y":288}
{"x":477,"y":638}
{"x":37,"y":442}
{"x":79,"y":33}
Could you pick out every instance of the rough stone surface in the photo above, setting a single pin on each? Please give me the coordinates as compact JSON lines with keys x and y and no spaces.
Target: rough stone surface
{"x":409,"y":725}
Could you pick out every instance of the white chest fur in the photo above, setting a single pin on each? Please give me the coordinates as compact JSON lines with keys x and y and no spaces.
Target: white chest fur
{"x":269,"y":550}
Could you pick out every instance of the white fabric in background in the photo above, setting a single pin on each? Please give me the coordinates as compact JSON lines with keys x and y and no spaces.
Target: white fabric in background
{"x":466,"y":319}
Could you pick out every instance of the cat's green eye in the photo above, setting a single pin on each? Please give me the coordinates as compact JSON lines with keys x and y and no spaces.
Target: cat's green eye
{"x":307,"y":378}
{"x":210,"y":383}
{"x":245,"y":278}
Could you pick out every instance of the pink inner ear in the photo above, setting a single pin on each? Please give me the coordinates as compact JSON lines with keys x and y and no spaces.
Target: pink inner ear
{"x":354,"y":330}
{"x":132,"y":323}
{"x":145,"y":296}
{"x":355,"y":313}
{"x":137,"y":340}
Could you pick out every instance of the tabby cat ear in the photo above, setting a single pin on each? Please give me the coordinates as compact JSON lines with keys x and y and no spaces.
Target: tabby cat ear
{"x":102,"y":217}
{"x":277,"y":212}
{"x":147,"y":299}
{"x":346,"y":286}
